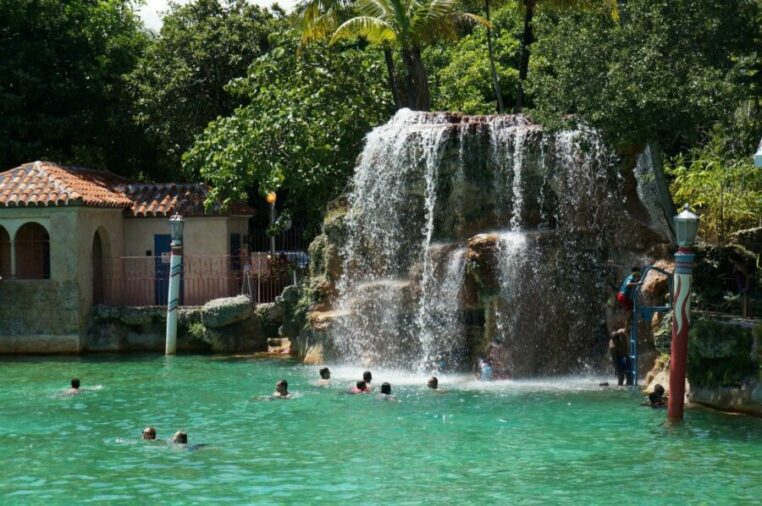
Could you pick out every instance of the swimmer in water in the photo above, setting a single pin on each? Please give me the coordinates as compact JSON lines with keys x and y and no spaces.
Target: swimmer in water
{"x":386,"y":392}
{"x":180,"y":438}
{"x":656,"y":398}
{"x":149,"y":434}
{"x":325,"y":377}
{"x":359,"y":388}
{"x":433,"y":384}
{"x":74,"y":386}
{"x":281,"y":390}
{"x":367,"y":377}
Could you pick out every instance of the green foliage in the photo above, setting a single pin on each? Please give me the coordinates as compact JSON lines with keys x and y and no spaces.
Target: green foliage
{"x":461,"y":79}
{"x":179,"y":84}
{"x":301,"y":130}
{"x":197,"y":330}
{"x":727,"y":192}
{"x":719,"y":354}
{"x":668,"y":71}
{"x":62,"y":92}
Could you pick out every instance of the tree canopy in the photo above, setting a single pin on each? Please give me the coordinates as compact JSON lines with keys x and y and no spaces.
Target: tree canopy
{"x":62,"y":89}
{"x":179,"y":83}
{"x":301,"y":129}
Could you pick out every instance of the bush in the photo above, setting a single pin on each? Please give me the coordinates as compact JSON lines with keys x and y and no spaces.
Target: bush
{"x":719,"y":354}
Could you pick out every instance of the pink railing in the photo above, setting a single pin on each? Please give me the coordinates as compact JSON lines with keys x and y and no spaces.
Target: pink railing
{"x":144,"y":281}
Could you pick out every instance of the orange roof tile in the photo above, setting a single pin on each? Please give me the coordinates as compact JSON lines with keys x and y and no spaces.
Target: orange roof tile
{"x":48,"y":184}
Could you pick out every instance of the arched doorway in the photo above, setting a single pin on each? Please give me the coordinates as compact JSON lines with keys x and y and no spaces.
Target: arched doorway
{"x":32,"y":252}
{"x":5,"y":254}
{"x":98,"y":292}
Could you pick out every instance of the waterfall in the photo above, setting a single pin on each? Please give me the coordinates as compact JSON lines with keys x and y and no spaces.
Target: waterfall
{"x":468,"y":236}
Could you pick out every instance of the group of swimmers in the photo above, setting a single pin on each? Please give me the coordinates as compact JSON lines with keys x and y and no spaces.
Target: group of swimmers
{"x":362,"y":386}
{"x":149,"y":433}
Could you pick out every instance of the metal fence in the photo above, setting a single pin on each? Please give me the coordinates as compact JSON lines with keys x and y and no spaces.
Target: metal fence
{"x":144,"y":281}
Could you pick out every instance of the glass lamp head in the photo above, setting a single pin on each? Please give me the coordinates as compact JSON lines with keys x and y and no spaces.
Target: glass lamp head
{"x":686,"y":227}
{"x":271,"y":198}
{"x":176,"y":222}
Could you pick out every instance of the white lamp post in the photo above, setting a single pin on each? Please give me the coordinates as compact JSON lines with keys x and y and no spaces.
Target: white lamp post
{"x":176,"y":222}
{"x":758,"y":155}
{"x":686,"y":227}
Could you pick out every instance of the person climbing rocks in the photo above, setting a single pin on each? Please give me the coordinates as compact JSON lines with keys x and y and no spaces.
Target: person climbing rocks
{"x":618,"y":349}
{"x":624,"y":297}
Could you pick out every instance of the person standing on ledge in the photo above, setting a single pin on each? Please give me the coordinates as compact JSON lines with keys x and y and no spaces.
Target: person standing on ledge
{"x":619,"y":356}
{"x":624,"y":297}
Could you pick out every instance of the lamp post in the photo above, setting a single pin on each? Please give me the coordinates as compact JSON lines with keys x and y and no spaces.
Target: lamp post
{"x":758,"y":155}
{"x":271,"y":198}
{"x":176,"y":223}
{"x":686,"y":227}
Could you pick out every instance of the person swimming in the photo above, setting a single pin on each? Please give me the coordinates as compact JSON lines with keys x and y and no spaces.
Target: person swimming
{"x":433,"y":383}
{"x":149,"y":434}
{"x":325,"y":377}
{"x":180,"y":438}
{"x":656,"y":398}
{"x":359,"y":388}
{"x":386,"y":392}
{"x":367,"y":377}
{"x":74,"y":386}
{"x":281,"y":390}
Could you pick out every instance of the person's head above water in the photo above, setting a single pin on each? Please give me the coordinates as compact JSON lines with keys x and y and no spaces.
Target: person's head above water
{"x":180,"y":438}
{"x":659,"y":390}
{"x":433,"y":382}
{"x":386,"y":389}
{"x":361,"y":385}
{"x":367,"y":376}
{"x":281,"y":388}
{"x":149,"y":433}
{"x":325,"y":373}
{"x":75,"y":383}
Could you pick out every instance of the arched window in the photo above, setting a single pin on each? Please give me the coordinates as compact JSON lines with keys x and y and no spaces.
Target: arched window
{"x":32,"y":252}
{"x":5,"y":254}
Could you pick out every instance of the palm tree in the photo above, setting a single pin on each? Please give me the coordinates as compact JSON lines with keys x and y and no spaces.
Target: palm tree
{"x":320,"y":18}
{"x":529,"y":7}
{"x":408,"y":25}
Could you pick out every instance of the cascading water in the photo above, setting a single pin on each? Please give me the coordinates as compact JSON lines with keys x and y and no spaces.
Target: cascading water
{"x":471,"y":236}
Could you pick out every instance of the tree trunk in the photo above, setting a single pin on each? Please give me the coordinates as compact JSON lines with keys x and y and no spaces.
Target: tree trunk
{"x":389,"y":58}
{"x":495,"y":80}
{"x":526,"y":41}
{"x":417,"y":82}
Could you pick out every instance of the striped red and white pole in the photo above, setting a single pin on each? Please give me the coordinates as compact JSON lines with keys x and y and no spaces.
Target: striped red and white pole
{"x":681,"y":322}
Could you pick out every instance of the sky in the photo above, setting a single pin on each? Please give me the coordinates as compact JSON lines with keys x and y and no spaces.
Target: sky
{"x":151,"y":11}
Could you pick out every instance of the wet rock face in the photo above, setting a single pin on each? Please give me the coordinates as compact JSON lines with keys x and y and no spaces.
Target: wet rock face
{"x":452,"y":216}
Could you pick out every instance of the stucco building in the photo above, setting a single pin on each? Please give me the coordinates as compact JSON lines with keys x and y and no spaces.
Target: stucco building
{"x":72,"y":237}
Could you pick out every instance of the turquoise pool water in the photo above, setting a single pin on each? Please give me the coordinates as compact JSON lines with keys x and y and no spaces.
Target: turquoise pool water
{"x":565,"y":441}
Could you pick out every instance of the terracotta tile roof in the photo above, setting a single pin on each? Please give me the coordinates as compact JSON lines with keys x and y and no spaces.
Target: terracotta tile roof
{"x":49,"y":184}
{"x":166,"y":199}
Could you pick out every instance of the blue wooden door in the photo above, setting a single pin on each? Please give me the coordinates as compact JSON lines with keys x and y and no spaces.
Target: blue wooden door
{"x":162,"y":250}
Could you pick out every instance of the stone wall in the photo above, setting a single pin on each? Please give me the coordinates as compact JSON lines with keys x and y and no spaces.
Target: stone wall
{"x":223,"y":325}
{"x":725,"y":365}
{"x":39,"y":316}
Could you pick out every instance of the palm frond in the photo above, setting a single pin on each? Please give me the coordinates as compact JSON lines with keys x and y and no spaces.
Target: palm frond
{"x":372,"y":29}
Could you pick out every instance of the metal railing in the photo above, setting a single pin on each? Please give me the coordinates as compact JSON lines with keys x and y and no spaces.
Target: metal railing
{"x":144,"y":281}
